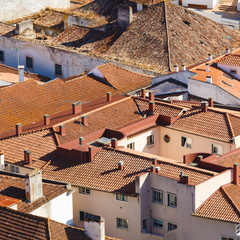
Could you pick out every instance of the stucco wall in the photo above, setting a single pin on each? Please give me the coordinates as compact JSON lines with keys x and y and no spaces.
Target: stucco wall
{"x":209,"y":3}
{"x":12,"y":9}
{"x":105,"y":204}
{"x":228,"y":69}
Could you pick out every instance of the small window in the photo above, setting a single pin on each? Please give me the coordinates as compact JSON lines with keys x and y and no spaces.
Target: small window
{"x":172,"y":200}
{"x":58,"y":70}
{"x":14,"y":169}
{"x":171,"y":226}
{"x":227,"y":238}
{"x":131,"y":145}
{"x":121,"y":197}
{"x":157,"y":196}
{"x":233,"y":71}
{"x":157,"y":223}
{"x":186,"y":142}
{"x":2,"y":56}
{"x":84,"y":190}
{"x":217,"y":149}
{"x":29,"y":63}
{"x":122,"y":223}
{"x":81,"y":215}
{"x":150,"y":139}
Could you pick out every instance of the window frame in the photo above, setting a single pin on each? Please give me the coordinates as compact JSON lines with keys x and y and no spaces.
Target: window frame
{"x":219,"y":146}
{"x":154,"y":220}
{"x":233,"y":71}
{"x":150,"y":139}
{"x":161,"y":196}
{"x":56,"y":70}
{"x":84,"y":190}
{"x":169,"y":200}
{"x":186,"y":143}
{"x":2,"y":53}
{"x":173,"y":224}
{"x":131,"y":145}
{"x":14,"y":169}
{"x":121,"y":197}
{"x":29,"y":58}
{"x":121,"y":226}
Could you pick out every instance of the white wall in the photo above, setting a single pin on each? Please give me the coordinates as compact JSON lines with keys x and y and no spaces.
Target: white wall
{"x":209,"y":3}
{"x":228,"y":69}
{"x":59,"y":209}
{"x":12,"y":9}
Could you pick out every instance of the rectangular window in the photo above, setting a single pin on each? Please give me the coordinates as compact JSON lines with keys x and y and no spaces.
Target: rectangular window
{"x":157,"y":196}
{"x":14,"y":169}
{"x":233,"y":71}
{"x":144,"y":225}
{"x":157,"y":223}
{"x":121,"y":197}
{"x":84,"y":190}
{"x":172,"y":200}
{"x":29,"y":63}
{"x":171,"y":226}
{"x":150,"y":139}
{"x":227,"y":238}
{"x":217,"y":149}
{"x":81,"y":215}
{"x":2,"y":56}
{"x":58,"y":70}
{"x":186,"y":142}
{"x":131,"y":145}
{"x":122,"y":223}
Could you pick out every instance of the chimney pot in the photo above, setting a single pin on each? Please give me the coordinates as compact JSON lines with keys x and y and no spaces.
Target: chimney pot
{"x":76,"y":108}
{"x":85,"y":121}
{"x":227,"y":50}
{"x":199,"y":158}
{"x":210,"y":102}
{"x":154,"y":161}
{"x":18,"y":129}
{"x":209,"y":57}
{"x":236,"y":173}
{"x":143,"y":93}
{"x":120,"y":165}
{"x":109,"y":97}
{"x":204,"y":106}
{"x":176,"y":68}
{"x":152,"y":106}
{"x":90,"y":154}
{"x":114,"y":143}
{"x":62,"y":130}
{"x":27,"y":157}
{"x":151,"y":96}
{"x":46,"y":119}
{"x":209,"y":79}
{"x":183,"y":68}
{"x":207,"y":67}
{"x":184,"y":178}
{"x":21,"y":73}
{"x":157,"y":169}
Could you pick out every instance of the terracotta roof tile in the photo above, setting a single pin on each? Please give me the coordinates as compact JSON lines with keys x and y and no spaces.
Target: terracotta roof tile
{"x":230,"y":59}
{"x":102,"y":173}
{"x":6,"y":28}
{"x":223,"y":205}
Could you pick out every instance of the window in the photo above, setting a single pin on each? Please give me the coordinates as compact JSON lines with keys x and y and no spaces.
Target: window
{"x":233,"y":71}
{"x":157,"y":223}
{"x":58,"y":69}
{"x":84,"y":190}
{"x":82,"y":215}
{"x":157,"y":196}
{"x":2,"y":56}
{"x":172,"y":200}
{"x":227,"y":238}
{"x":14,"y":169}
{"x":121,"y":197}
{"x":186,"y":142}
{"x":131,"y":145}
{"x":122,"y":223}
{"x":171,"y":226}
{"x":144,"y":225}
{"x":217,"y":149}
{"x":29,"y":63}
{"x":150,"y":140}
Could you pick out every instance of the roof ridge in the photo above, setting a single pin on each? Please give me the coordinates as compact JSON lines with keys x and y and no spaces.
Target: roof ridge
{"x":230,"y":125}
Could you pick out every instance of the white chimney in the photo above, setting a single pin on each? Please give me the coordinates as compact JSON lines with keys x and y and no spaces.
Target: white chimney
{"x":207,"y":67}
{"x":183,"y":68}
{"x":2,"y":163}
{"x":209,"y":57}
{"x":227,"y":50}
{"x":176,"y":68}
{"x":21,"y":73}
{"x":33,"y":185}
{"x":209,"y":79}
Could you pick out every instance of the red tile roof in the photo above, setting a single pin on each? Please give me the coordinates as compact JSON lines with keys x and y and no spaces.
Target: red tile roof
{"x":5,"y":28}
{"x":230,"y":59}
{"x":22,"y":226}
{"x":103,"y":174}
{"x":223,"y":205}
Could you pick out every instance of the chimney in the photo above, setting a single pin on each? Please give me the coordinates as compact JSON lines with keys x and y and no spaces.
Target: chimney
{"x":85,"y":121}
{"x":153,"y":169}
{"x":154,"y":161}
{"x":183,"y":178}
{"x":152,"y":106}
{"x":120,"y":165}
{"x":209,"y":79}
{"x":176,"y":68}
{"x":157,"y":169}
{"x":81,"y":141}
{"x":109,"y":97}
{"x":207,"y":67}
{"x":90,"y":154}
{"x":124,"y":16}
{"x":76,"y":108}
{"x":236,"y":173}
{"x":46,"y":119}
{"x":210,"y":102}
{"x":143,"y":93}
{"x":62,"y":130}
{"x":183,"y":68}
{"x":199,"y":158}
{"x":27,"y":157}
{"x":209,"y":57}
{"x":227,"y":50}
{"x":151,"y":96}
{"x":114,"y":143}
{"x":21,"y":73}
{"x":204,"y":106}
{"x":33,"y":186}
{"x":18,"y":129}
{"x":2,"y":163}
